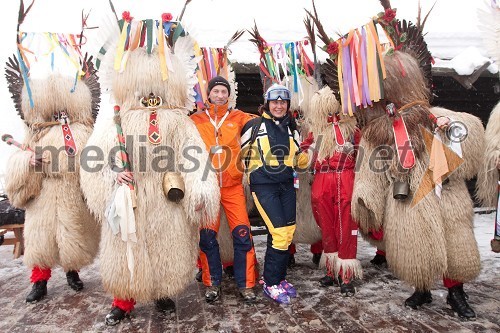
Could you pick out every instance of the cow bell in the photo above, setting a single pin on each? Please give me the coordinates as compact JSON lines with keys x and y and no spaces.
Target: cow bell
{"x":400,"y":190}
{"x":173,"y":186}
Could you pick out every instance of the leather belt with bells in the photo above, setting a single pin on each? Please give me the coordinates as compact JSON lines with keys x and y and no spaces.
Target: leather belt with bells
{"x":153,"y":102}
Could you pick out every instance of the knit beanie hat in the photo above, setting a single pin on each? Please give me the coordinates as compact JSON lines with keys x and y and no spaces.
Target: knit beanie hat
{"x":219,"y":81}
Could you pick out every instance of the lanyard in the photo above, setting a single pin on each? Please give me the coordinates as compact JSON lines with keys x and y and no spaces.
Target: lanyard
{"x":217,"y":126}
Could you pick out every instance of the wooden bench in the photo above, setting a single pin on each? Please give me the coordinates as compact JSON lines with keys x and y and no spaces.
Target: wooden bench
{"x":17,"y":241}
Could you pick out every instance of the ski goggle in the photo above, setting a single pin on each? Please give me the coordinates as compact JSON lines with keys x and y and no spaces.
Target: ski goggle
{"x":276,"y":94}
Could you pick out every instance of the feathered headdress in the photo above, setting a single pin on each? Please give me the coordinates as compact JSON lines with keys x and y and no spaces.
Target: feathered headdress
{"x":148,"y":54}
{"x":355,"y":68}
{"x":59,"y":51}
{"x":285,"y":63}
{"x":214,"y":62}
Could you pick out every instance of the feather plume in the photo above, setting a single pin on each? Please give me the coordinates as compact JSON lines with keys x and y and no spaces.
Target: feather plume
{"x":386,"y":4}
{"x":257,"y":39}
{"x":234,"y":38}
{"x":22,"y":16}
{"x":91,"y":80}
{"x":15,"y":83}
{"x":321,"y":31}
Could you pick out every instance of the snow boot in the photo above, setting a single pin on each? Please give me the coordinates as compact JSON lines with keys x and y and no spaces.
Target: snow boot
{"x":328,"y":281}
{"x":74,"y":280}
{"x":38,"y":291}
{"x":418,"y":299}
{"x":212,"y":294}
{"x":346,"y":288}
{"x":458,"y":302}
{"x":165,"y":305}
{"x":115,"y":316}
{"x":248,"y":295}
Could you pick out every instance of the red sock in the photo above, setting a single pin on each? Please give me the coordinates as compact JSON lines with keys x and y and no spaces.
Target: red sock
{"x":449,"y":283}
{"x":39,"y":274}
{"x":126,"y":305}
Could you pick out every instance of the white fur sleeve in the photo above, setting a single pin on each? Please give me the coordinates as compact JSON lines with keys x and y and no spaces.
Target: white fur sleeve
{"x":22,"y":183}
{"x":97,"y":180}
{"x":488,"y":175}
{"x":201,"y":186}
{"x":370,"y":191}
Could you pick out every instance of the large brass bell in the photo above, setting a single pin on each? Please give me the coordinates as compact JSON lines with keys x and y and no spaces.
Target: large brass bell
{"x":173,"y":186}
{"x":400,"y":190}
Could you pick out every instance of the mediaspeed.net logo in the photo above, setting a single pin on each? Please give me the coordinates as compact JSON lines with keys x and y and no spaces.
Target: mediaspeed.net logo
{"x":443,"y":158}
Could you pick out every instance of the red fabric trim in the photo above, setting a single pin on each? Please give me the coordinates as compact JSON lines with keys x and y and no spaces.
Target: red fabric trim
{"x":124,"y":304}
{"x":40,"y":274}
{"x":449,"y":283}
{"x":380,"y":252}
{"x":377,"y":235}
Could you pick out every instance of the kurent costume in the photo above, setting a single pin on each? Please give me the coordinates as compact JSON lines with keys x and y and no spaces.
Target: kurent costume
{"x":220,"y":128}
{"x":336,"y":136}
{"x":417,"y":194}
{"x":271,"y":150}
{"x":59,"y":113}
{"x":149,"y":252}
{"x":488,"y":178}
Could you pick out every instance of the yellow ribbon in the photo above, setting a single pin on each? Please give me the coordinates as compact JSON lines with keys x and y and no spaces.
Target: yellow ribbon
{"x":120,"y":48}
{"x":161,"y":51}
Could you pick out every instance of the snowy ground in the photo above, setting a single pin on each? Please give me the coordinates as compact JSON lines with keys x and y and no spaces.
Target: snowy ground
{"x":377,"y":306}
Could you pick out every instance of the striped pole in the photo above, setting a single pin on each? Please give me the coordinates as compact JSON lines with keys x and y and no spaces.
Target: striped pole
{"x":123,"y":152}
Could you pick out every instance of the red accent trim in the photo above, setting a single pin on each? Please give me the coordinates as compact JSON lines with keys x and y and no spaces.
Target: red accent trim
{"x":405,"y":150}
{"x":69,"y":141}
{"x":154,"y":135}
{"x":380,"y":252}
{"x":126,"y":305}
{"x":449,"y":283}
{"x":40,"y":274}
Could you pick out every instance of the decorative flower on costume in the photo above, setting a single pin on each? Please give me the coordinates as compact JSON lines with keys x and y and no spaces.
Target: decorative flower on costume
{"x":126,"y":16}
{"x":332,"y":48}
{"x":166,"y":17}
{"x":387,"y":16}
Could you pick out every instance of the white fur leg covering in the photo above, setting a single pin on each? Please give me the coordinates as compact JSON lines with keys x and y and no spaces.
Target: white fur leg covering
{"x":349,"y":265}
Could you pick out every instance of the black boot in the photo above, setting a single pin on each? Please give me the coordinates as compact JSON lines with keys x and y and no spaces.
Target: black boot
{"x":418,"y":299}
{"x":212,"y":293}
{"x":291,"y":261}
{"x":346,"y":288}
{"x":115,"y":316}
{"x":327,"y":281}
{"x":165,"y":305}
{"x":198,"y":276}
{"x":379,"y":260}
{"x":229,"y":270}
{"x":38,"y":291}
{"x":74,"y":280}
{"x":458,"y":302}
{"x":316,"y":258}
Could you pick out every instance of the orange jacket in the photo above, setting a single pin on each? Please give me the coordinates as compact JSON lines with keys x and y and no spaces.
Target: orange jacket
{"x":223,"y":145}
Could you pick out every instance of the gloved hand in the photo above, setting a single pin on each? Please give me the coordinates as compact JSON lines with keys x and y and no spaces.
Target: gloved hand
{"x":304,"y":145}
